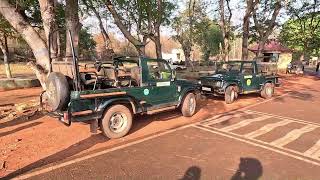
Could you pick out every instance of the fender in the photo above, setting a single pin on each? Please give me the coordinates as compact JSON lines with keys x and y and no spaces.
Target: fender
{"x":185,"y":91}
{"x":107,"y":102}
{"x":235,"y":83}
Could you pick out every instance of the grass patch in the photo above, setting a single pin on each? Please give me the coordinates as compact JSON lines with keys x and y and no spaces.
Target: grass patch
{"x":17,"y":69}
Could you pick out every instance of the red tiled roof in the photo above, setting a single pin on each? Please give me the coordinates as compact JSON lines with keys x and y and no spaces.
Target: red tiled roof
{"x":271,"y":46}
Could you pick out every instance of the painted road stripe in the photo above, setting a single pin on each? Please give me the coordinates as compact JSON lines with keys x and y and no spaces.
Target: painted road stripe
{"x":222,"y":118}
{"x":314,"y":151}
{"x":283,"y":117}
{"x":293,"y":135}
{"x":244,"y":123}
{"x":267,"y":128}
{"x":263,"y":145}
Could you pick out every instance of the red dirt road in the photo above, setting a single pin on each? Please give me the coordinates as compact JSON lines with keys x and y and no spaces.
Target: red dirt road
{"x":42,"y":140}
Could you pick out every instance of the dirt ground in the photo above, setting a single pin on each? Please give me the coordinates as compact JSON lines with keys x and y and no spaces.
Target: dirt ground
{"x":31,"y":142}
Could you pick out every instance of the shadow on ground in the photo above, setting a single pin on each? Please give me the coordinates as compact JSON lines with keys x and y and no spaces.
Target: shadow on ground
{"x":249,"y":169}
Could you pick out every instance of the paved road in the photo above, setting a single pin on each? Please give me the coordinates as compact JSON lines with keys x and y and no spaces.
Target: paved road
{"x":278,"y":139}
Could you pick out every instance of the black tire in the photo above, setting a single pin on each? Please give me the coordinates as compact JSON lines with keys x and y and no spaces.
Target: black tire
{"x":57,"y":92}
{"x":267,"y":91}
{"x":230,"y":94}
{"x":189,"y":104}
{"x":121,"y":116}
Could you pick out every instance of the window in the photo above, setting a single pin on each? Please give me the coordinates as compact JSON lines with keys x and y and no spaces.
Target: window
{"x":248,"y":68}
{"x":158,"y":70}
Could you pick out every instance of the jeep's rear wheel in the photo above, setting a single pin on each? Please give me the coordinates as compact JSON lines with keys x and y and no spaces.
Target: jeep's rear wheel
{"x":189,"y":104}
{"x":267,"y":91}
{"x":230,"y":94}
{"x":116,"y":121}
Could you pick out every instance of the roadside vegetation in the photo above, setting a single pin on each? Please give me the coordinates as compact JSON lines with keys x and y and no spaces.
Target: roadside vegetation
{"x":204,"y":30}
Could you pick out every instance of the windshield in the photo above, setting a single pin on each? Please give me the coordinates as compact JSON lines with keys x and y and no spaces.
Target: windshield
{"x":229,"y":67}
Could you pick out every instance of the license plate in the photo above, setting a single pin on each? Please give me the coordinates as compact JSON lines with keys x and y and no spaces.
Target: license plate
{"x":206,"y":89}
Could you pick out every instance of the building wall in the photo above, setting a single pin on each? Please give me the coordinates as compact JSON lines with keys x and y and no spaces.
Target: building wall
{"x":284,"y":60}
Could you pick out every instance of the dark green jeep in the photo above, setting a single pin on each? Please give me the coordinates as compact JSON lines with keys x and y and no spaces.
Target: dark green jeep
{"x":108,"y":94}
{"x":239,"y":77}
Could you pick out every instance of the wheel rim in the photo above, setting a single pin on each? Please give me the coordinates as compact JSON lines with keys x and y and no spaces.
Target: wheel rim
{"x":118,"y":122}
{"x":192,"y":104}
{"x":269,"y":91}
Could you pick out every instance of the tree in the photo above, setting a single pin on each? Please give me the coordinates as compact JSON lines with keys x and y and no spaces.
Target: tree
{"x":132,"y":11}
{"x":72,"y":24}
{"x":184,"y":25}
{"x":250,"y":6}
{"x":49,"y":22}
{"x":302,"y":35}
{"x":158,"y":13}
{"x":265,"y":16}
{"x":208,"y":37}
{"x":31,"y":36}
{"x":5,"y":31}
{"x":225,"y":25}
{"x":144,"y":17}
{"x":94,"y":8}
{"x":87,"y":44}
{"x":302,"y":30}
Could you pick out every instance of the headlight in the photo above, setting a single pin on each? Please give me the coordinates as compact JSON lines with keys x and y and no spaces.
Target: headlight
{"x":199,"y":82}
{"x":218,"y":83}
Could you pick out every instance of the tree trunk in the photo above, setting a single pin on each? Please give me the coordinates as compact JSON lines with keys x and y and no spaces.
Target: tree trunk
{"x":223,"y":28}
{"x":47,"y":9}
{"x":246,"y":23}
{"x":37,"y":45}
{"x":261,"y":44}
{"x":72,"y":24}
{"x":245,"y":37}
{"x":5,"y":53}
{"x":264,"y":33}
{"x":158,"y":47}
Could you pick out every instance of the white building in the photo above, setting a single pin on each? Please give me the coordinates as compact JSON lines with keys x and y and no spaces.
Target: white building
{"x":176,"y":55}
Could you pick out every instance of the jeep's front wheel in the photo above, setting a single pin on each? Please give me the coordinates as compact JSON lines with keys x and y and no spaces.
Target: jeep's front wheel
{"x":189,"y":104}
{"x":267,"y":91}
{"x":116,"y":121}
{"x":230,"y":94}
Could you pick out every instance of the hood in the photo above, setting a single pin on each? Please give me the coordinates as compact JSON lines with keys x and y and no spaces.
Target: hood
{"x":184,"y":82}
{"x":219,"y":76}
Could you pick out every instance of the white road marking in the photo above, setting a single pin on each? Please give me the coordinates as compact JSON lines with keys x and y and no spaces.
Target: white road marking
{"x":293,"y":135}
{"x":267,"y":128}
{"x":265,"y":146}
{"x":220,"y":118}
{"x":283,"y":117}
{"x":314,"y":151}
{"x":244,"y":123}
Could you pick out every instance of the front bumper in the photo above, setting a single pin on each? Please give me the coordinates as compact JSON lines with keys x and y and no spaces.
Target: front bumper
{"x":210,"y":90}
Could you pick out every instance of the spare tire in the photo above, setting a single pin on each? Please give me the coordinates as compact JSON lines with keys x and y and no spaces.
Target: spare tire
{"x":57,"y":91}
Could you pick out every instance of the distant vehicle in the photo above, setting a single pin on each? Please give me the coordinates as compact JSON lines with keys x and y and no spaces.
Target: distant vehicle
{"x":177,"y":65}
{"x":239,"y":77}
{"x":296,"y":67}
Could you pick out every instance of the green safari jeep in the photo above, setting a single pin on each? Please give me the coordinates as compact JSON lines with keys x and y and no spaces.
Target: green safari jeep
{"x":108,"y":94}
{"x":239,"y":77}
